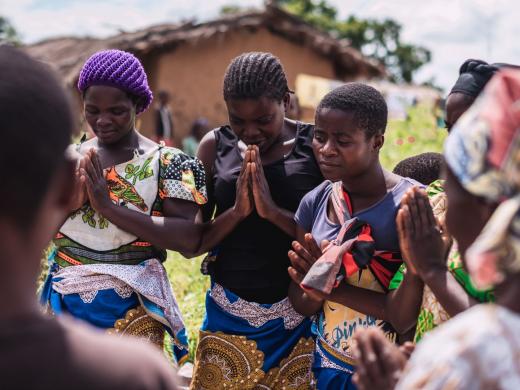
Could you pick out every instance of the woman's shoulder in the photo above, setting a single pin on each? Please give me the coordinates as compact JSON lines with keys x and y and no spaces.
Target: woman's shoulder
{"x":318,"y":194}
{"x":402,"y":184}
{"x":173,"y":155}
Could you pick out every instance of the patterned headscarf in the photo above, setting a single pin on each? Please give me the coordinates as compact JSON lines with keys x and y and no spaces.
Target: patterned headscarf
{"x":119,"y":69}
{"x":483,"y":151}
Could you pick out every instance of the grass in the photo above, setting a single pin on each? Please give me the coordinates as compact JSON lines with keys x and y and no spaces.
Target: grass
{"x":190,"y":287}
{"x":404,"y":138}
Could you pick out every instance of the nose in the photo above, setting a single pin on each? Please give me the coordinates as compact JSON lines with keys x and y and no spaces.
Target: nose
{"x":103,"y":121}
{"x":249,"y":132}
{"x":328,"y":148}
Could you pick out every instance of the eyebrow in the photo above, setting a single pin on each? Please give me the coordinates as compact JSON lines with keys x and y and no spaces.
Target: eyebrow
{"x":335,"y":133}
{"x":268,"y":116}
{"x":117,"y":105}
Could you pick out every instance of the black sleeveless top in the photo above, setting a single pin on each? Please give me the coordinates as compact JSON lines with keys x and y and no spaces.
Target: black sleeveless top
{"x":252,"y":261}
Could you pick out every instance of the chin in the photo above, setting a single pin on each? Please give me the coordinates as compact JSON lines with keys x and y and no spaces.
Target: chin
{"x":330,"y":173}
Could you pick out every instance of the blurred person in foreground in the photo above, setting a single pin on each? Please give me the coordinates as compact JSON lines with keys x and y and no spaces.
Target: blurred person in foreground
{"x":39,"y":351}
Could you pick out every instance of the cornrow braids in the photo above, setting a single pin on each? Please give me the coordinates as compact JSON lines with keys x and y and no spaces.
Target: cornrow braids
{"x":366,"y":103}
{"x":253,"y":75}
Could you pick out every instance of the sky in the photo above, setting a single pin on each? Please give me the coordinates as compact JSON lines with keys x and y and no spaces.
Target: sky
{"x":453,"y":30}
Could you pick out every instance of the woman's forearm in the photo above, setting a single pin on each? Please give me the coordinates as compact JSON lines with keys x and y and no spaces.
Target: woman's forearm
{"x":360,"y":299}
{"x":215,"y":230}
{"x":284,"y":220}
{"x":450,"y":294}
{"x":301,"y":302}
{"x":404,"y":303}
{"x":174,"y":233}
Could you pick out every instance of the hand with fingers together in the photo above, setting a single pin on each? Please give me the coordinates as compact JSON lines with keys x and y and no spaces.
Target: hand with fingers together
{"x":244,"y":199}
{"x":264,"y":204}
{"x":302,"y":257}
{"x":95,"y":182}
{"x":379,"y":362}
{"x":422,"y":243}
{"x":79,"y":191}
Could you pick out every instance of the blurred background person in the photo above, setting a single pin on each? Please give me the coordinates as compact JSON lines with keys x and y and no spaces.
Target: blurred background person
{"x":191,"y":142}
{"x":164,"y":129}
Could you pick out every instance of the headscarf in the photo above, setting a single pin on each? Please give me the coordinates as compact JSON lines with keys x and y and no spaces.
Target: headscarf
{"x":483,"y":152}
{"x":119,"y":69}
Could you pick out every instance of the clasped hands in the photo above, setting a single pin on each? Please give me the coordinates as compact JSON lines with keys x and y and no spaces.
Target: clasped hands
{"x":252,"y":189}
{"x":89,"y":182}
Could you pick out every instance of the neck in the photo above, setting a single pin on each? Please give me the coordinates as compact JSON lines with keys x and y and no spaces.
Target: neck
{"x":372,"y":182}
{"x":128,"y":141}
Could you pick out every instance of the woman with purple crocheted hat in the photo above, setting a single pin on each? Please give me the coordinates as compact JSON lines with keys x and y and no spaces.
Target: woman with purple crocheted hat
{"x":133,"y":199}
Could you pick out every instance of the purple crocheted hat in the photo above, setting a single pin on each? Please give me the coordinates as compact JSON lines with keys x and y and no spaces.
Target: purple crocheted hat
{"x":116,"y":68}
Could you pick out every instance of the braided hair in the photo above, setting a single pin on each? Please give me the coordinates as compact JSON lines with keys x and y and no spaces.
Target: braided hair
{"x":253,"y":75}
{"x":365,"y":102}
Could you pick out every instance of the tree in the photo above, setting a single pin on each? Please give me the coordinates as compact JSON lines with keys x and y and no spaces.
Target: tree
{"x":377,"y":39}
{"x":8,"y":33}
{"x":233,"y":9}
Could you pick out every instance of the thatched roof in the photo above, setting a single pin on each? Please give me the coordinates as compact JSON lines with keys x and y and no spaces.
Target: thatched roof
{"x":68,"y":54}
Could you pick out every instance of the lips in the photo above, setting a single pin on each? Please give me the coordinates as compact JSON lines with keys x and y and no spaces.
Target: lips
{"x":254,"y":142}
{"x":105,"y":133}
{"x":329,"y":164}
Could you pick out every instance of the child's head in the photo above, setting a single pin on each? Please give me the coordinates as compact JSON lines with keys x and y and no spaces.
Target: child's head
{"x":35,"y":124}
{"x":350,"y":126}
{"x":199,"y":128}
{"x":115,"y":89}
{"x":256,"y":95}
{"x":425,"y":167}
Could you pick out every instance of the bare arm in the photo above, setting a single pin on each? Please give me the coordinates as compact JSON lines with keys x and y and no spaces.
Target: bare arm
{"x":214,"y":230}
{"x":404,"y":303}
{"x":450,"y":294}
{"x":429,"y":247}
{"x":176,"y":230}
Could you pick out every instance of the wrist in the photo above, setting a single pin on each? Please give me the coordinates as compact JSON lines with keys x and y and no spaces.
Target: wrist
{"x":106,"y":209}
{"x":433,"y":272}
{"x":237,"y":214}
{"x":413,"y":277}
{"x":272,"y":213}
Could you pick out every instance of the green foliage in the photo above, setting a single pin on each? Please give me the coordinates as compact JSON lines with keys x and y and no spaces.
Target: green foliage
{"x":233,"y":9}
{"x":8,"y":33}
{"x":378,"y":39}
{"x":406,"y":138}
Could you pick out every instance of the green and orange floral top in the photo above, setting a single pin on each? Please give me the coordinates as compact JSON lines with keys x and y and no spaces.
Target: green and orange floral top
{"x":140,"y":184}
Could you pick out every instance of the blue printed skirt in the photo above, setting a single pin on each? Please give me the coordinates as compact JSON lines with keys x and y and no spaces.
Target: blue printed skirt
{"x":246,"y":345}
